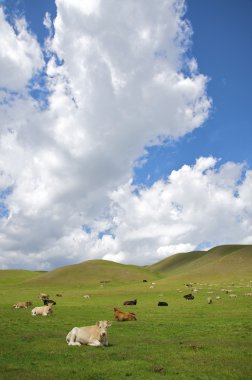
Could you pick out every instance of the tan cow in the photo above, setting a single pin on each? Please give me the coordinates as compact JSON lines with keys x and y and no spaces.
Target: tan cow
{"x":44,"y":296}
{"x":20,"y":305}
{"x":124,"y":315}
{"x":95,"y":335}
{"x":42,"y":310}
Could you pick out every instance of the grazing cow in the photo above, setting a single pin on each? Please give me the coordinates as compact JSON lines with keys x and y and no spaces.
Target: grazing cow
{"x":209,"y":300}
{"x":124,"y":315}
{"x":86,"y":296}
{"x":232,"y":295}
{"x":44,"y":296}
{"x":59,"y":295}
{"x":248,"y":294}
{"x":145,"y":281}
{"x":48,"y":302}
{"x":189,"y":297}
{"x":134,"y":302}
{"x":90,"y":335}
{"x":42,"y":310}
{"x":162,"y":303}
{"x":20,"y":305}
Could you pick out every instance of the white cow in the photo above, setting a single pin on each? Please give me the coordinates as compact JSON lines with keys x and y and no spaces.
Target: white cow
{"x":42,"y":310}
{"x":90,"y":335}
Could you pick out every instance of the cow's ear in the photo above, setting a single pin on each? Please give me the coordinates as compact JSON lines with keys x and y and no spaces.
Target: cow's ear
{"x":109,"y":323}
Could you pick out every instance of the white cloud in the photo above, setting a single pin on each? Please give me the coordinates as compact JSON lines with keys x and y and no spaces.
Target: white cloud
{"x":115,"y":86}
{"x":20,"y":54}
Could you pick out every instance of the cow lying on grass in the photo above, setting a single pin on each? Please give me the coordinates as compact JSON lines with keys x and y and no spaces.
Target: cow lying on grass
{"x":90,"y":335}
{"x":189,"y":297}
{"x":44,"y":296}
{"x":124,"y":315}
{"x":134,"y":302}
{"x":20,"y":305}
{"x":47,"y":302}
{"x":42,"y":310}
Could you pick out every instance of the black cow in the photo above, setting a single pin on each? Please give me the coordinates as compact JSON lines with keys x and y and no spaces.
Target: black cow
{"x":189,"y":297}
{"x":134,"y":302}
{"x":46,"y":302}
{"x":162,"y":303}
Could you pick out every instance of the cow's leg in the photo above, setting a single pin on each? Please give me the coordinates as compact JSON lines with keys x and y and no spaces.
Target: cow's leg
{"x":71,"y":337}
{"x":95,"y":343}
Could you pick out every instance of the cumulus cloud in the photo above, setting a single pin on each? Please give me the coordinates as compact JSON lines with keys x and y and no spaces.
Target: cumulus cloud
{"x":203,"y":205}
{"x":114,"y":84}
{"x":20,"y":54}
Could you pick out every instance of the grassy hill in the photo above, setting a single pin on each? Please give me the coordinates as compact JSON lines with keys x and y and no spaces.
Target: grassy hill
{"x":222,"y":261}
{"x":14,"y":277}
{"x":94,"y":272}
{"x":227,"y":261}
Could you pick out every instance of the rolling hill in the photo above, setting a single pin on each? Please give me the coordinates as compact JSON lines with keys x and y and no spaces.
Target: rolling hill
{"x":222,"y":261}
{"x":93,"y":272}
{"x":227,"y":261}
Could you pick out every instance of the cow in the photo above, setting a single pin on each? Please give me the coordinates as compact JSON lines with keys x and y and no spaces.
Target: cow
{"x":47,"y":302}
{"x":87,"y":296}
{"x":20,"y":305}
{"x":209,"y":300}
{"x":124,"y":315}
{"x":134,"y":302}
{"x":44,"y":296}
{"x":42,"y":310}
{"x":162,"y":303}
{"x":59,"y":295}
{"x":189,"y":297}
{"x":90,"y":335}
{"x":145,"y":281}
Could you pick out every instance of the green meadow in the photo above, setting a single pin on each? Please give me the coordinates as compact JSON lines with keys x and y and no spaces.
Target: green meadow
{"x":189,"y":339}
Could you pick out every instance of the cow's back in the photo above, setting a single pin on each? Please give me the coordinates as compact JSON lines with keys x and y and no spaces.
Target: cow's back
{"x":87,"y":333}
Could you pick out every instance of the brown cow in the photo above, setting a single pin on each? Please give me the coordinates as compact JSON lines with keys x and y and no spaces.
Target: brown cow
{"x":20,"y":305}
{"x":124,"y":316}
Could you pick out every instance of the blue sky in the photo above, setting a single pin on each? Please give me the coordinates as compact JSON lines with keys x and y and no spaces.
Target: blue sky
{"x":222,"y":45}
{"x":134,"y":122}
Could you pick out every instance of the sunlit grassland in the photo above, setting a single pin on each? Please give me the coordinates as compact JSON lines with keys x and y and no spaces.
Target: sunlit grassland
{"x":188,"y":339}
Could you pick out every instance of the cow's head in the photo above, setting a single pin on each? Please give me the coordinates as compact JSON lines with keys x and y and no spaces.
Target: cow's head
{"x":103,"y":327}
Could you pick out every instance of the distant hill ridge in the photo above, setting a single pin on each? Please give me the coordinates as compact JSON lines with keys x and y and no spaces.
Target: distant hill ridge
{"x":222,"y":261}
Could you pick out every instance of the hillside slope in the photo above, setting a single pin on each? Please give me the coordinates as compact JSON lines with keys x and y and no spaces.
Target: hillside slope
{"x":221,"y":261}
{"x":94,"y":272}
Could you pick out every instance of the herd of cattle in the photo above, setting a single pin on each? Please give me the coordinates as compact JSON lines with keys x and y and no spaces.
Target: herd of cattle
{"x":96,"y":335}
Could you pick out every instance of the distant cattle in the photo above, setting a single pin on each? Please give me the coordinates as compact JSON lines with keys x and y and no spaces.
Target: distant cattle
{"x":59,"y":295}
{"x":133,"y":302}
{"x":162,"y":303}
{"x":145,"y":281}
{"x":189,"y":297}
{"x":124,"y":315}
{"x":44,"y":296}
{"x":189,"y":285}
{"x":42,"y":310}
{"x":48,"y":302}
{"x":90,"y":335}
{"x":209,"y":300}
{"x":248,"y":294}
{"x":87,"y":296}
{"x":20,"y":305}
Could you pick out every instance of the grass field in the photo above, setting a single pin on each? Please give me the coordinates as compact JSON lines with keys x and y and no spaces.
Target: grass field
{"x":188,"y":339}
